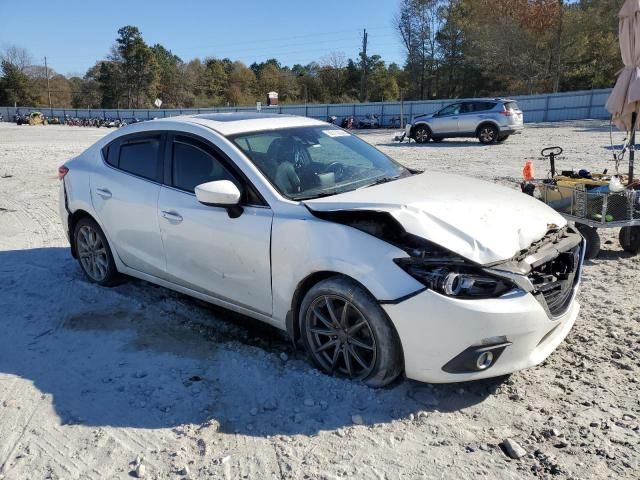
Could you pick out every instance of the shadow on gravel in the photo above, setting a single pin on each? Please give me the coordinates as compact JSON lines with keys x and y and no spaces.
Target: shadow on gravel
{"x":142,"y":356}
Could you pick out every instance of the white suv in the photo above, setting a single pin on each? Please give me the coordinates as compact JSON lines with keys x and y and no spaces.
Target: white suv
{"x":376,"y":269}
{"x":490,"y":120}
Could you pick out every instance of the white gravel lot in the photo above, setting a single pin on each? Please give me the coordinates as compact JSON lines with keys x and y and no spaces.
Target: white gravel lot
{"x":91,"y":378}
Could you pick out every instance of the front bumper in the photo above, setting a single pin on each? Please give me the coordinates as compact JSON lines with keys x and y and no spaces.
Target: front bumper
{"x":434,"y":329}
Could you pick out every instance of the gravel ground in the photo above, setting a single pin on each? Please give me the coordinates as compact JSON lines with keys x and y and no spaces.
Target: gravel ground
{"x":138,"y":380}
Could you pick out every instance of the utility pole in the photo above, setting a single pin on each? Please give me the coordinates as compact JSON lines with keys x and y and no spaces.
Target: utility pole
{"x":363,"y":83}
{"x":46,"y":72}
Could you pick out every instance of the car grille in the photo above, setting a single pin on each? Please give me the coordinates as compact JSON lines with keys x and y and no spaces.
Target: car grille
{"x":556,"y":280}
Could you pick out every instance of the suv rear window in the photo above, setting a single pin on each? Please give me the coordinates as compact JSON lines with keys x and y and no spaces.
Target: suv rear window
{"x":512,"y":106}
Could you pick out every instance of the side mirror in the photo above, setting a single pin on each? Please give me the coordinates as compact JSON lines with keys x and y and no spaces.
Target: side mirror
{"x":221,"y":193}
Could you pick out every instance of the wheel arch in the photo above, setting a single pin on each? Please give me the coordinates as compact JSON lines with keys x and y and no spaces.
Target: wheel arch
{"x":306,"y":284}
{"x":487,"y":122}
{"x":419,"y":124}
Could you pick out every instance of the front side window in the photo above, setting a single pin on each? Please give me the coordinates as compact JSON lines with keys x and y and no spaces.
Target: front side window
{"x":194,"y":164}
{"x":140,"y":157}
{"x":450,"y":110}
{"x":308,"y":162}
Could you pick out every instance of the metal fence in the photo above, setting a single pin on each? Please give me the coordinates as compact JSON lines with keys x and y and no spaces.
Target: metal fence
{"x":537,"y":108}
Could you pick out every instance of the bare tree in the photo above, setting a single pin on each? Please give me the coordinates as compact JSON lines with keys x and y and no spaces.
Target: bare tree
{"x":418,"y":23}
{"x":17,"y":56}
{"x":333,"y":71}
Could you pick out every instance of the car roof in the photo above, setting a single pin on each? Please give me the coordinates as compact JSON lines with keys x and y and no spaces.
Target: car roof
{"x":484,"y":99}
{"x":233,"y":123}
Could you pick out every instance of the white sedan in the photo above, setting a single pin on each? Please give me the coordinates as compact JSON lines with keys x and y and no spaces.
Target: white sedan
{"x":377,"y":269}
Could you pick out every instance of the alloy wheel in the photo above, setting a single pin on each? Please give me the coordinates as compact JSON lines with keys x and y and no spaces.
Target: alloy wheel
{"x":340,"y":337}
{"x":422,"y":135}
{"x":487,"y":134}
{"x":92,"y":253}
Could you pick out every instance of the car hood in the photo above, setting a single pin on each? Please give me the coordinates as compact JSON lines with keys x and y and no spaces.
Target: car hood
{"x":481,"y":221}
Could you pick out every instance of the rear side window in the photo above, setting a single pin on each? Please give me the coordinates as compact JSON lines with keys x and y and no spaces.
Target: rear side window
{"x":511,"y":106}
{"x":193,"y":165}
{"x":483,"y":106}
{"x":141,"y":157}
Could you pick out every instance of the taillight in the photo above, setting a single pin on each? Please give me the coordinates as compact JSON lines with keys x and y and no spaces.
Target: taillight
{"x":62,"y":171}
{"x":506,"y":113}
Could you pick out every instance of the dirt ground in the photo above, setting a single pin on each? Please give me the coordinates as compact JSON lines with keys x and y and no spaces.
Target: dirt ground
{"x":92,"y":378}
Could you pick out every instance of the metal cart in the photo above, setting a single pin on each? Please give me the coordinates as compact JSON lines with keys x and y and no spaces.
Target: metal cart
{"x":589,"y":203}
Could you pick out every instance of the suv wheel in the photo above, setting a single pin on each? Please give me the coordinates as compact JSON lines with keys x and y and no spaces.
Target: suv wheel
{"x":487,"y":134}
{"x":422,"y":134}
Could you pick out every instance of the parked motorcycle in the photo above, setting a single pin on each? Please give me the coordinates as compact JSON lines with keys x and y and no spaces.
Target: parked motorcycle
{"x":347,"y":122}
{"x":370,"y":121}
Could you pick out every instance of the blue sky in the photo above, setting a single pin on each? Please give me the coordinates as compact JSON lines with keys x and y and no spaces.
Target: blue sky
{"x":73,"y":34}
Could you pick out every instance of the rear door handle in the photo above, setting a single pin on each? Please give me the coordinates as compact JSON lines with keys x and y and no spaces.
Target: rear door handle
{"x":171,"y":216}
{"x":103,"y":192}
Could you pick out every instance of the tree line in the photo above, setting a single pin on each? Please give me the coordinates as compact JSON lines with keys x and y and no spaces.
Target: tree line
{"x":453,"y":49}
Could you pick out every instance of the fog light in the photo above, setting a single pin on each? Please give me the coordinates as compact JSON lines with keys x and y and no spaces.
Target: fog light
{"x":484,"y":360}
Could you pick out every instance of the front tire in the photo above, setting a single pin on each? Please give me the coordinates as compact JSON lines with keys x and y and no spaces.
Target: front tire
{"x":592,"y":240}
{"x":346,"y":332}
{"x":487,"y":134}
{"x":422,"y":134}
{"x":94,"y":253}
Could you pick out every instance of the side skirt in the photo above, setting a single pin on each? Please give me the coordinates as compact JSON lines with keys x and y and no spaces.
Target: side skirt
{"x":204,"y":297}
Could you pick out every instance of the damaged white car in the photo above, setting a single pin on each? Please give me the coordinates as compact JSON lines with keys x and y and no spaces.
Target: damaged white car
{"x":375,"y":268}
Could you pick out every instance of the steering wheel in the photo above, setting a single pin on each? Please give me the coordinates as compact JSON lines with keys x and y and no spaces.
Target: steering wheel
{"x":338,"y":169}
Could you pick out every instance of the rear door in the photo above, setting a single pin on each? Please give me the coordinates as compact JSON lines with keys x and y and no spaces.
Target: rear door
{"x":124,"y":191}
{"x":474,"y":114}
{"x":206,"y":249}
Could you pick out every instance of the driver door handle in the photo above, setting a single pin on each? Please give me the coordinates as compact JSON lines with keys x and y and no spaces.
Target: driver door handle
{"x":103,"y":192}
{"x":172,"y":216}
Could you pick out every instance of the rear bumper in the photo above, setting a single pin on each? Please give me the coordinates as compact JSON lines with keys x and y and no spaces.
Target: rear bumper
{"x":511,"y":129}
{"x":435,"y":331}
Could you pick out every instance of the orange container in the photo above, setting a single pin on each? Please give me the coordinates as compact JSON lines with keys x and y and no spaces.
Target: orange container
{"x":527,"y":171}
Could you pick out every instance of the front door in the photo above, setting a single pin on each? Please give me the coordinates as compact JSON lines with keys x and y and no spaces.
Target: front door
{"x":446,"y":120}
{"x":206,"y":249}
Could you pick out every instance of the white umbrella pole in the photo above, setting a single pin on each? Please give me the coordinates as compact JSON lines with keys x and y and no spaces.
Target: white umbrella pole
{"x":632,"y":141}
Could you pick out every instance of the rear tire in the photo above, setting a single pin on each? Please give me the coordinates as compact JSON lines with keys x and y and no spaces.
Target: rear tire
{"x":422,"y":134}
{"x":629,"y":238}
{"x":346,"y":332}
{"x":94,"y":253}
{"x":487,"y":134}
{"x":592,"y":239}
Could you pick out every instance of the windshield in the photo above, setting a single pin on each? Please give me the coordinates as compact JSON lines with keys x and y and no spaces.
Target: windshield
{"x":310,"y":162}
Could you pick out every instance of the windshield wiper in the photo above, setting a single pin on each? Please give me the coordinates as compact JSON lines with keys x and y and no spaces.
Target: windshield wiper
{"x":316,"y":195}
{"x":382,"y":180}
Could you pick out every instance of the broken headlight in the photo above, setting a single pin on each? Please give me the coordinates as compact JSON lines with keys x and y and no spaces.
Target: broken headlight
{"x":455,"y":280}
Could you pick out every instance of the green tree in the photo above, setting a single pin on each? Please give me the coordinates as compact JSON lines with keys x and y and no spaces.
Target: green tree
{"x":137,"y":65}
{"x":14,"y":86}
